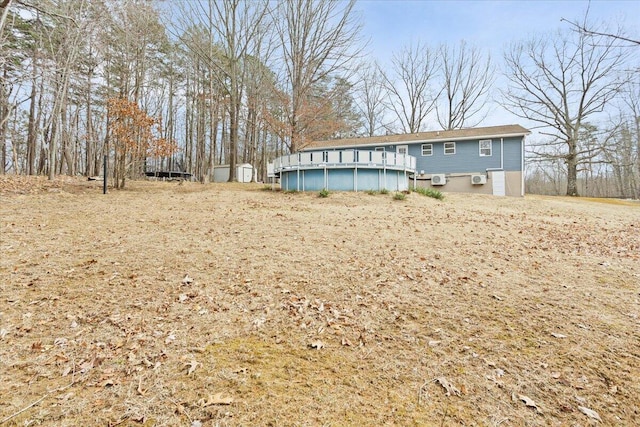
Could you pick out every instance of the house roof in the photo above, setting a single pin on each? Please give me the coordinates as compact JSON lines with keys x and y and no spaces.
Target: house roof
{"x":503,"y":131}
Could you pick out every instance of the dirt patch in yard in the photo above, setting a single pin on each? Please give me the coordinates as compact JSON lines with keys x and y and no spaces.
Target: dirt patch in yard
{"x":224,"y":305}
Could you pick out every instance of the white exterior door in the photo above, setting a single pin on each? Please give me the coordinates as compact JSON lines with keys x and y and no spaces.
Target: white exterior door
{"x":497,"y":180}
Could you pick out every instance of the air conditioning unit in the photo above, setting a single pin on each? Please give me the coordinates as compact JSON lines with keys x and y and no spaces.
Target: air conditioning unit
{"x":438,"y":179}
{"x":478,"y":179}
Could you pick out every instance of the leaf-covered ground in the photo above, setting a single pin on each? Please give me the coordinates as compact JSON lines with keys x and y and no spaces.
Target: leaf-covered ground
{"x":225,"y":305}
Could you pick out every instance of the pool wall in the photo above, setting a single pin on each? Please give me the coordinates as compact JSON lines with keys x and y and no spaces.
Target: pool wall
{"x":349,"y":170}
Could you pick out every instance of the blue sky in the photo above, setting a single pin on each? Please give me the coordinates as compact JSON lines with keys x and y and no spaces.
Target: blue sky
{"x":492,"y":25}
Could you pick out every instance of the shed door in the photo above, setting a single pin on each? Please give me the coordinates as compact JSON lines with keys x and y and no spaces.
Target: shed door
{"x":497,"y":178}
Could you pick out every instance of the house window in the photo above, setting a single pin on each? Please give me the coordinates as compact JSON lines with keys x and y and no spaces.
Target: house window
{"x":449,"y":148}
{"x":485,"y":147}
{"x":427,"y":149}
{"x":383,"y":151}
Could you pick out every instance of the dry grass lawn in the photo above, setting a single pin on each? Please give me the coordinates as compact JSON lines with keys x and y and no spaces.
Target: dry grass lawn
{"x":226,"y":305}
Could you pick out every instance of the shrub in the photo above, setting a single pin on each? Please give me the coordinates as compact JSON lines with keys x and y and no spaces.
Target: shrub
{"x":323,"y":193}
{"x":429,"y":192}
{"x":384,"y":191}
{"x":399,"y":196}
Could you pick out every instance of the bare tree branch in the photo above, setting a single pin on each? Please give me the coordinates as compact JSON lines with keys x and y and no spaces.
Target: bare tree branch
{"x":467,"y":78}
{"x":409,"y":85}
{"x":584,"y":30}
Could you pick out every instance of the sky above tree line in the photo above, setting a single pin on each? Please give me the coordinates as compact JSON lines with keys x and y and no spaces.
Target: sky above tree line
{"x":491,"y":25}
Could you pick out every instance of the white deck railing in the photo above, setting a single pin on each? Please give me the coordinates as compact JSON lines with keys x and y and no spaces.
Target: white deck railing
{"x":345,"y":159}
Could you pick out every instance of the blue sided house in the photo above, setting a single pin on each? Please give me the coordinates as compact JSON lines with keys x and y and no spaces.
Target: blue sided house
{"x":487,"y":160}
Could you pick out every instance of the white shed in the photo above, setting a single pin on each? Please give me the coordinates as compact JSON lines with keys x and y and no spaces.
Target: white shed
{"x":244,"y":173}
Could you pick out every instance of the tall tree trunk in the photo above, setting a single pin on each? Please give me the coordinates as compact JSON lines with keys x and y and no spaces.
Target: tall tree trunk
{"x":31,"y":132}
{"x":91,"y":149}
{"x":53,"y":137}
{"x":572,"y":171}
{"x":188,"y":151}
{"x":4,"y":120}
{"x":234,"y":109}
{"x":214,"y":111}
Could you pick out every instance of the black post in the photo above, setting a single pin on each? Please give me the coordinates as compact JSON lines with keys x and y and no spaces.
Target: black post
{"x":104,"y":176}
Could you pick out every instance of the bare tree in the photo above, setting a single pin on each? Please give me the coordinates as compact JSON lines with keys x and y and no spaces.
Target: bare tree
{"x":369,"y":96}
{"x":237,"y":25}
{"x":65,"y":42}
{"x":319,"y":39}
{"x":410,"y":86}
{"x":623,"y":149}
{"x":467,"y":78}
{"x":560,"y":83}
{"x":234,"y":25}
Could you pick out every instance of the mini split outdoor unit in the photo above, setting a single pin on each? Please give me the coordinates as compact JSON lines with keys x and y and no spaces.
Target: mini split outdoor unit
{"x":478,"y":179}
{"x":438,"y":179}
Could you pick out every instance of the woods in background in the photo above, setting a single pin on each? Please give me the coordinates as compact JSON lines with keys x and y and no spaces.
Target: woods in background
{"x":227,"y":82}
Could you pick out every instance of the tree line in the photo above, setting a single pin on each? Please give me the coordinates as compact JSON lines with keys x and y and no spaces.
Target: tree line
{"x":194,"y":84}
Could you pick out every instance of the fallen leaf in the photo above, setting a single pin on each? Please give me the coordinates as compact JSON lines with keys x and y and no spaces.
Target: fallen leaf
{"x":67,"y":396}
{"x":529,"y":402}
{"x":106,"y":383}
{"x":317,"y":345}
{"x":346,"y":342}
{"x":67,"y":370}
{"x":192,"y":367}
{"x":86,"y":366}
{"x":140,"y":390}
{"x":557,"y":335}
{"x":216,"y":399}
{"x":590,"y":413}
{"x":448,"y":386}
{"x":259,"y":322}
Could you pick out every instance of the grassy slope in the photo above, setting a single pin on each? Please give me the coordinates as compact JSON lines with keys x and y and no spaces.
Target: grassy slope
{"x":503,"y":298}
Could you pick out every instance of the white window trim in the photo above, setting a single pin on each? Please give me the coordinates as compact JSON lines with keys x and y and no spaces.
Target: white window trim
{"x":490,"y":148}
{"x":400,"y":147}
{"x":379,"y":149}
{"x":444,"y":145}
{"x":430,"y":150}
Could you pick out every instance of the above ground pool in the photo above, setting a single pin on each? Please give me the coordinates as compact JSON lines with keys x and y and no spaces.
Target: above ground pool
{"x":345,"y":170}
